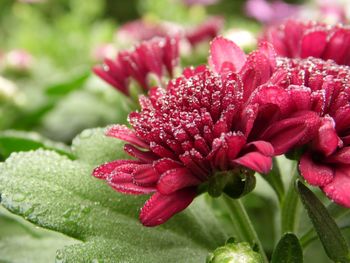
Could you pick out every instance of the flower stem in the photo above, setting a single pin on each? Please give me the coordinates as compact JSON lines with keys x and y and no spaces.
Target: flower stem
{"x":242,"y":224}
{"x":289,"y":209}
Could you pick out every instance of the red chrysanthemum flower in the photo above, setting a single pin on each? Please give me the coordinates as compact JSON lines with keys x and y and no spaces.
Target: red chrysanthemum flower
{"x":205,"y":130}
{"x":326,"y":159}
{"x":299,"y":39}
{"x":153,"y":56}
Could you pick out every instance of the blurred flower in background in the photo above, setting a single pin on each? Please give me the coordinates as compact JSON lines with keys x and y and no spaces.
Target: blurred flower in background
{"x":18,"y":60}
{"x":270,"y":12}
{"x":9,"y":92}
{"x":200,"y":2}
{"x":103,"y":51}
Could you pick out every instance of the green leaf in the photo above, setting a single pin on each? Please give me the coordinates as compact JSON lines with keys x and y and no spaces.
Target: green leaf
{"x":288,"y":250}
{"x":336,"y":211}
{"x":60,"y":194}
{"x":87,"y":147}
{"x":21,"y":241}
{"x":329,"y":233}
{"x":83,"y":109}
{"x":16,"y":141}
{"x":68,"y":86}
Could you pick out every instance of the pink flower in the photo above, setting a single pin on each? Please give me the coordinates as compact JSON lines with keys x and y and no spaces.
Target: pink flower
{"x":205,"y":31}
{"x":318,"y":93}
{"x":298,"y":39}
{"x":140,"y":30}
{"x":207,"y":125}
{"x":154,"y":56}
{"x":19,"y":60}
{"x":325,"y":161}
{"x":103,"y":51}
{"x":269,"y":13}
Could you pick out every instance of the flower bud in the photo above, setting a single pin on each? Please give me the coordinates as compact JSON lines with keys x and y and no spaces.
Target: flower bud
{"x":234,"y":253}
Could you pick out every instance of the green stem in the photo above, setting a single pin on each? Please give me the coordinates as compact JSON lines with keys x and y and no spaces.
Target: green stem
{"x":290,"y":204}
{"x":275,"y":181}
{"x":242,"y":224}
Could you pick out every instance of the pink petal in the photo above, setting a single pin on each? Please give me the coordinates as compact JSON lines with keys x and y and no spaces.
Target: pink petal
{"x":263,"y":147}
{"x":327,"y":139}
{"x":341,"y":156}
{"x":256,"y":162}
{"x":225,"y":51}
{"x":317,"y":174}
{"x":294,"y":31}
{"x":171,"y":53}
{"x":291,"y":132}
{"x":301,"y":96}
{"x":145,"y":175}
{"x":165,"y":164}
{"x":159,"y":208}
{"x":162,"y":151}
{"x":151,"y":53}
{"x":337,"y":48}
{"x":235,"y":143}
{"x":273,"y":95}
{"x":205,"y":31}
{"x":248,"y":117}
{"x":338,"y":189}
{"x":120,"y":84}
{"x":123,"y":183}
{"x":105,"y":170}
{"x":135,"y":66}
{"x":268,"y":50}
{"x":313,"y":44}
{"x":147,"y":156}
{"x":176,"y":179}
{"x":124,"y":133}
{"x":342,"y":119}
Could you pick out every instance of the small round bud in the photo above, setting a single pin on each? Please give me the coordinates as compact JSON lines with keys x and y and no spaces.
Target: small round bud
{"x":234,"y":253}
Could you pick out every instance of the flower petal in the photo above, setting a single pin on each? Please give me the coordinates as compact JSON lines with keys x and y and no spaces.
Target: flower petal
{"x":337,"y":48}
{"x":263,"y":147}
{"x":124,"y":133}
{"x":313,"y":44}
{"x":171,"y":53}
{"x":165,"y":164}
{"x":151,"y":53}
{"x":225,"y":51}
{"x":338,"y":189}
{"x":145,"y":156}
{"x":291,"y":132}
{"x":145,"y":175}
{"x":176,"y":179}
{"x":315,"y":173}
{"x":235,"y":143}
{"x":273,"y":95}
{"x":341,"y":156}
{"x":327,"y":139}
{"x":256,"y":162}
{"x":159,"y":208}
{"x":104,"y":170}
{"x":123,"y":183}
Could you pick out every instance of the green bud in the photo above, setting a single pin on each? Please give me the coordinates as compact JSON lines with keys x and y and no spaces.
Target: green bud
{"x":235,"y":183}
{"x":234,"y":253}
